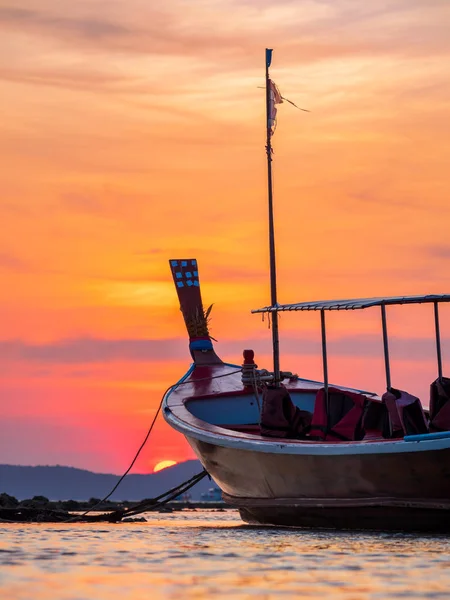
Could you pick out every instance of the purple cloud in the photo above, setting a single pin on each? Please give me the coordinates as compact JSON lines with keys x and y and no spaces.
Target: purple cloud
{"x":95,"y":350}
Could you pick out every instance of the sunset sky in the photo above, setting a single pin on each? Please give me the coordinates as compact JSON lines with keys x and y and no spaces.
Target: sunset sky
{"x":133,"y":132}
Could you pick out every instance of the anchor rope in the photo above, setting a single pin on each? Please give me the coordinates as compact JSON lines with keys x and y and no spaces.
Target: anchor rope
{"x":169,"y":389}
{"x":154,"y":504}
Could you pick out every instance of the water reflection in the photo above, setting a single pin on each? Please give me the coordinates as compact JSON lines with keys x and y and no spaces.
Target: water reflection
{"x":204,"y":554}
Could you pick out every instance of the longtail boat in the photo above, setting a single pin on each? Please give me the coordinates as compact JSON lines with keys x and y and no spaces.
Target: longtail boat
{"x":290,"y":451}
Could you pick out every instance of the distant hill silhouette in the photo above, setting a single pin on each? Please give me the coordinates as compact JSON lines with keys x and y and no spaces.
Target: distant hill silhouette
{"x":69,"y":483}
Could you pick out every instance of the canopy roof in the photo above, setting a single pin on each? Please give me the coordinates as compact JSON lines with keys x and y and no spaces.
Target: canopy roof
{"x":356,"y":303}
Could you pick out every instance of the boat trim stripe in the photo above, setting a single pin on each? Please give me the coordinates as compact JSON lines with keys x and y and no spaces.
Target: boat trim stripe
{"x":215,"y":437}
{"x":435,"y":503}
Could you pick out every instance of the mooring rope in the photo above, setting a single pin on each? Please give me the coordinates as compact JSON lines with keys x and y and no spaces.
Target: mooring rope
{"x":154,"y":504}
{"x":113,"y":516}
{"x":169,"y":389}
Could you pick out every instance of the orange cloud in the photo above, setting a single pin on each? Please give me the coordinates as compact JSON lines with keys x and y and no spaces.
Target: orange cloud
{"x":137,"y":135}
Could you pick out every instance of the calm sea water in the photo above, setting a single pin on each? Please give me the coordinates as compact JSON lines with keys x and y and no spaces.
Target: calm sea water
{"x":208,"y":554}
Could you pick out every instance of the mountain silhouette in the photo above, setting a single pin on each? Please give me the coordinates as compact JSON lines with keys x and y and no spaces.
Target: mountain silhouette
{"x":70,"y":483}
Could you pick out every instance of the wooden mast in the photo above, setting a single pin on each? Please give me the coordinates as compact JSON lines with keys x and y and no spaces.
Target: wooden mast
{"x":273,"y":272}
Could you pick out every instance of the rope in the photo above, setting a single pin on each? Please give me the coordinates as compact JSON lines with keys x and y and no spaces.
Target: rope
{"x":255,"y":390}
{"x":49,"y":515}
{"x":260,"y":377}
{"x":169,"y":389}
{"x":153,"y":503}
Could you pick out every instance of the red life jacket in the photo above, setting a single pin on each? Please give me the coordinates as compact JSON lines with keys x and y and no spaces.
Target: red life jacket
{"x":280,"y":417}
{"x":341,"y":419}
{"x":376,"y":422}
{"x":405,"y":413}
{"x":440,"y":405}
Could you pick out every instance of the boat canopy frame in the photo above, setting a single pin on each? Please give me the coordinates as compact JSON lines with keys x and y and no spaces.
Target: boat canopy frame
{"x":361,"y":304}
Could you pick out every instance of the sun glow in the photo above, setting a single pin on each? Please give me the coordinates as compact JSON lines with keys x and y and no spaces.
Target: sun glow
{"x":163,"y":465}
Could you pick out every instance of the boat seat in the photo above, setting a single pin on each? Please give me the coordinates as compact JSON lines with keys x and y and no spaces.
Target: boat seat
{"x":341,"y":420}
{"x":440,"y":405}
{"x":405,"y":413}
{"x":280,"y":417}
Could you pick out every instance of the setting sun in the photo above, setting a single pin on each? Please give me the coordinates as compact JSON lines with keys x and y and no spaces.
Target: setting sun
{"x":163,"y":465}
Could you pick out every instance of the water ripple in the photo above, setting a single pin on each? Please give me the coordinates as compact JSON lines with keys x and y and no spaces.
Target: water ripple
{"x":205,"y":554}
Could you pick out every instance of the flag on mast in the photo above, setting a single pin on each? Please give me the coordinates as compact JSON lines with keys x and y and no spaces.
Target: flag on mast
{"x":274,"y":99}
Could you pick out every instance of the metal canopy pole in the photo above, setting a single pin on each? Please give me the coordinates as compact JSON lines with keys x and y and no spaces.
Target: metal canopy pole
{"x":438,"y":339}
{"x":386,"y":347}
{"x":324,"y":354}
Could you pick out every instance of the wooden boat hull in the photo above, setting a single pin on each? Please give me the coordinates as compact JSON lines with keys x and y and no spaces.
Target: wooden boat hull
{"x":378,"y":484}
{"x":391,"y":491}
{"x":374,"y":518}
{"x":374,"y":483}
{"x":309,"y":456}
